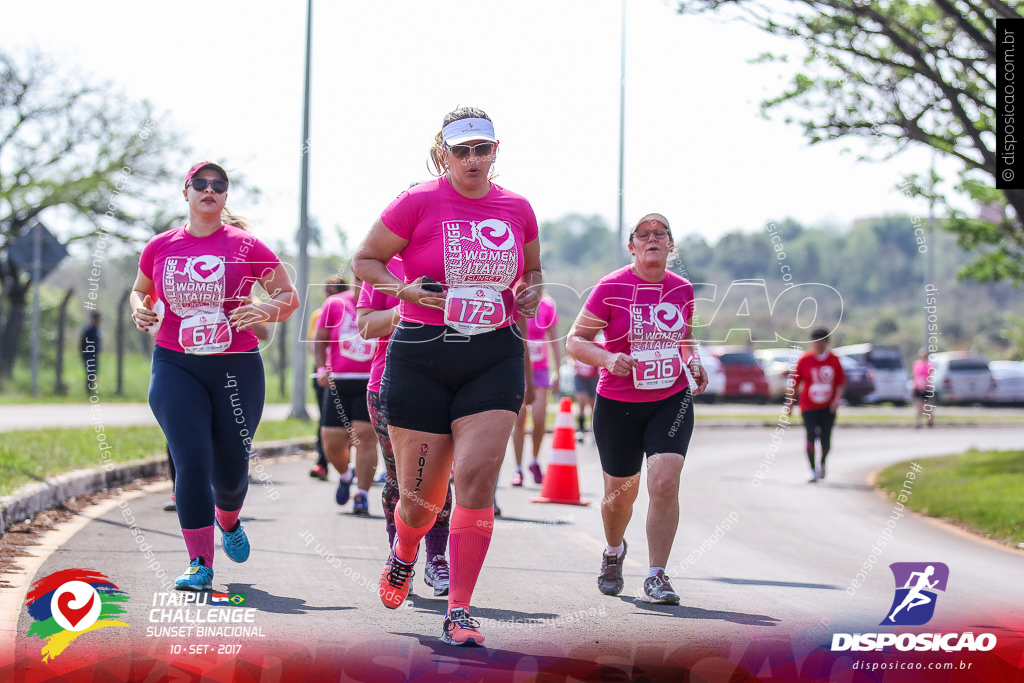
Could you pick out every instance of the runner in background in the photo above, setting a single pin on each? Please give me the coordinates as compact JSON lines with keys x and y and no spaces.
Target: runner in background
{"x":644,"y":405}
{"x":334,"y":285}
{"x":924,"y":373}
{"x":585,"y":383}
{"x":454,"y":379}
{"x":542,"y":336}
{"x":344,"y":360}
{"x":378,"y":318}
{"x":820,"y":381}
{"x":207,"y":388}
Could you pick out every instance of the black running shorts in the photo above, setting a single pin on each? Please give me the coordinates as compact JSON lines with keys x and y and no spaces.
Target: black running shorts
{"x":818,"y":423}
{"x":626,"y":431}
{"x":344,"y":403}
{"x":434,"y":376}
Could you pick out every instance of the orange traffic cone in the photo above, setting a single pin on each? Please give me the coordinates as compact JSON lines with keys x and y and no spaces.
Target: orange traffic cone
{"x":561,"y":483}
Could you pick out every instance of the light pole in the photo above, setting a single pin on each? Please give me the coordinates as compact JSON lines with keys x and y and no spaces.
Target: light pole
{"x":302,"y":271}
{"x":622,"y":123}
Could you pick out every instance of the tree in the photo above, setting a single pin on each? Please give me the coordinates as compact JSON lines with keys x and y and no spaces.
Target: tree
{"x":82,"y":154}
{"x":899,"y":73}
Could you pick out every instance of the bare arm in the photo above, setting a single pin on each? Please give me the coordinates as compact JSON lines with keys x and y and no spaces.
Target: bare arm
{"x":371,"y":265}
{"x":283,"y":302}
{"x":141,"y":302}
{"x":374,"y":323}
{"x":528,"y":297}
{"x":581,"y":346}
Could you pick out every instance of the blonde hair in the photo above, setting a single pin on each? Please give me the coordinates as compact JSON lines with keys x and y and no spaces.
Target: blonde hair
{"x":437,"y":148}
{"x":231,"y":219}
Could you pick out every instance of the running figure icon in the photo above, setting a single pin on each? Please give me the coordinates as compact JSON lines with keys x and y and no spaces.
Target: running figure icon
{"x":916,"y":597}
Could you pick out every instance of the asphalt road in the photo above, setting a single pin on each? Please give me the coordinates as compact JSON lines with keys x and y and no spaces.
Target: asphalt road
{"x":780,"y":573}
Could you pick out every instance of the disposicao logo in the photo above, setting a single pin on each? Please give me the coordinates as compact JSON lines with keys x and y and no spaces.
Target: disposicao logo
{"x":916,"y":583}
{"x":71,"y":602}
{"x":914,"y":605}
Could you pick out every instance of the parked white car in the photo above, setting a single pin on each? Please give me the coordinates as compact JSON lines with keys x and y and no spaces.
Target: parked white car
{"x":890,"y":374}
{"x":777,"y":364}
{"x":1008,"y":376}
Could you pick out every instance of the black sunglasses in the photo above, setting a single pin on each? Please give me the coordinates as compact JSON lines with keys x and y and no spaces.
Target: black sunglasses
{"x":219,"y":186}
{"x":482,"y":149}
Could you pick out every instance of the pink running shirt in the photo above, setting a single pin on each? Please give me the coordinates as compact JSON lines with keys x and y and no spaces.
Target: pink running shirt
{"x":201,"y":280}
{"x":459,"y":241}
{"x":349,"y":356}
{"x":537,"y":333}
{"x":923,"y":370}
{"x":379,"y":301}
{"x":648,"y":321}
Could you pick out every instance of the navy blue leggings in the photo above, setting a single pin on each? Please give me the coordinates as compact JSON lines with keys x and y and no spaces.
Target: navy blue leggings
{"x":209,"y":408}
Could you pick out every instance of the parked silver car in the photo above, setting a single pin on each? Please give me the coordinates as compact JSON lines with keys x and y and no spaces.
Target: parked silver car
{"x":961,"y":377}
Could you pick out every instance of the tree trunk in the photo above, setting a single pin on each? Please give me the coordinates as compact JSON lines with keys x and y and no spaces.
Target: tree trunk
{"x":15,"y":295}
{"x":59,"y":387}
{"x":122,"y":313}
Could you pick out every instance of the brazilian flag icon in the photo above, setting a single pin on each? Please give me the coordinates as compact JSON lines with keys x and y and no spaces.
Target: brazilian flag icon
{"x":237,"y":599}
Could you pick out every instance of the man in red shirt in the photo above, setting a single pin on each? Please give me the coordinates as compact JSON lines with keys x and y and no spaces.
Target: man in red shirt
{"x":820,"y":381}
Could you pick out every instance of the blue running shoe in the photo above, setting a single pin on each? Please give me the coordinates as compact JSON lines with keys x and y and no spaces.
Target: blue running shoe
{"x":236,"y":543}
{"x":198,"y":577}
{"x":341,"y":495}
{"x":360,"y":505}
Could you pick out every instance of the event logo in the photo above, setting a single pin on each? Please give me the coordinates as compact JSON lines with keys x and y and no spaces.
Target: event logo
{"x":205,"y":268}
{"x":71,"y":602}
{"x":914,"y":602}
{"x":668,"y":317}
{"x":494,"y":234}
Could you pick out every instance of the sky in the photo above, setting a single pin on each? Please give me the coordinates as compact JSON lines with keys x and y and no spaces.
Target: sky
{"x":229,"y":75}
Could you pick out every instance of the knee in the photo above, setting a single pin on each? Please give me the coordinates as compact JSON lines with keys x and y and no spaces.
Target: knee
{"x":663,"y":486}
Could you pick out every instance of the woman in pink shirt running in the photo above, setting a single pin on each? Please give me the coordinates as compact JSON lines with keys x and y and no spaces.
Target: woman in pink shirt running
{"x":207,"y":384}
{"x":644,"y":405}
{"x":454,"y":378}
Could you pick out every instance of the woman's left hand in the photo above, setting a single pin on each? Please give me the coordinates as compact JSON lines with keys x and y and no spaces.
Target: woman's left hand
{"x":527,"y":302}
{"x":700,"y":376}
{"x":247,"y":315}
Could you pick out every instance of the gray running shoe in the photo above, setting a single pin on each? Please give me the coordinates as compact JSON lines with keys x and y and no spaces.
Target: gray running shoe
{"x":657,"y":589}
{"x":609,"y":581}
{"x":436,"y":575}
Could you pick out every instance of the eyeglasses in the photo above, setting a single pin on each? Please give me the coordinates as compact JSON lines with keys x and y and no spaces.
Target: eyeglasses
{"x":482,"y":149}
{"x":658,"y":234}
{"x":219,"y":186}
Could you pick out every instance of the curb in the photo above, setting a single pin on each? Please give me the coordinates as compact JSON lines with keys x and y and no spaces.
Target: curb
{"x":31,"y":499}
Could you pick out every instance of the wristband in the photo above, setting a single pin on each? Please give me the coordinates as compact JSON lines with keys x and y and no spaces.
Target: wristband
{"x":692,"y":356}
{"x":322,"y":368}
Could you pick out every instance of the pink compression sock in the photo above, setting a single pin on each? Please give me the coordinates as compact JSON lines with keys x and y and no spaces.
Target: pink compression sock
{"x":199,"y":543}
{"x":407,"y":538}
{"x":467,"y":542}
{"x":227,"y":519}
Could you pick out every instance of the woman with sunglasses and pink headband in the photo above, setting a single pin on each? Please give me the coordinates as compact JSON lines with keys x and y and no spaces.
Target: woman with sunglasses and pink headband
{"x":207,"y":383}
{"x":454,"y":376}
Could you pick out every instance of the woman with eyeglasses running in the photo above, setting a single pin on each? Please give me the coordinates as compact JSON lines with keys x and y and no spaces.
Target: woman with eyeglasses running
{"x":207,"y":384}
{"x":454,"y":378}
{"x":644,"y":405}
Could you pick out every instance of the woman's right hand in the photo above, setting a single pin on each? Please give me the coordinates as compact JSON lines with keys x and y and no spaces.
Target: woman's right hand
{"x":143,"y":316}
{"x":415,"y":293}
{"x":323,"y":378}
{"x":620,"y":364}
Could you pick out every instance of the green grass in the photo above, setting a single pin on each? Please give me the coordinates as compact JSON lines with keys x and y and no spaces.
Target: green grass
{"x":18,"y":389}
{"x":979,"y":490}
{"x":34,"y":455}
